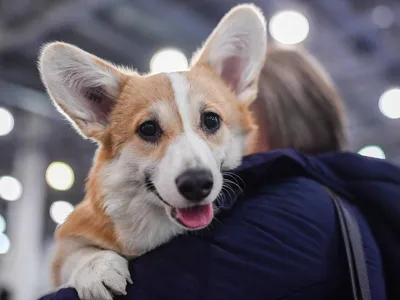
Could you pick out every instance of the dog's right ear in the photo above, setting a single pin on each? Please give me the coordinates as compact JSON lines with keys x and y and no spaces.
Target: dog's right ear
{"x":83,"y":87}
{"x":236,"y":50}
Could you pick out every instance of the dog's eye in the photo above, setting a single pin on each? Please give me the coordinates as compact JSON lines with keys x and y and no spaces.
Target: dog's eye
{"x":210,"y":122}
{"x":149,"y":131}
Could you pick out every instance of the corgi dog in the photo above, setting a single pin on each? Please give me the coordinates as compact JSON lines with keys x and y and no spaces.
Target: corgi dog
{"x":163,"y":142}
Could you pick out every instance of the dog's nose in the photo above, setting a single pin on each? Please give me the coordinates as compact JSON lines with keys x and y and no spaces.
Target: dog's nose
{"x":195,"y":184}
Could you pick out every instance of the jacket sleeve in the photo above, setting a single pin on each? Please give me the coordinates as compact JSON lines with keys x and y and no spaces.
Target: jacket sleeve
{"x":63,"y":294}
{"x":280,"y":243}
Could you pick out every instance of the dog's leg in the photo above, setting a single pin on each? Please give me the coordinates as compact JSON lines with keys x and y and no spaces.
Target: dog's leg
{"x":95,"y":273}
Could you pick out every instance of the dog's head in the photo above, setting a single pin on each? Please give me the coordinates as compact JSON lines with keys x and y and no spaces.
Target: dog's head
{"x":164,"y":138}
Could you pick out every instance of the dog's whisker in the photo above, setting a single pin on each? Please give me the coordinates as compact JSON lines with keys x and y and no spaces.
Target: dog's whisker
{"x":228,"y":184}
{"x":219,"y":222}
{"x":224,"y":189}
{"x":230,"y":189}
{"x":234,"y":177}
{"x":234,"y":180}
{"x":233,"y":183}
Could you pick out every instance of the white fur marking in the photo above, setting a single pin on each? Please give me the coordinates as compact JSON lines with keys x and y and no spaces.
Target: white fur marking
{"x":181,"y":88}
{"x":141,"y":219}
{"x":99,"y":274}
{"x":188,"y":150}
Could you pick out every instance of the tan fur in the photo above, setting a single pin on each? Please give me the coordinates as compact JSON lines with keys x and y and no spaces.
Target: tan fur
{"x":220,"y":98}
{"x":134,"y":107}
{"x":88,"y":220}
{"x":102,"y":221}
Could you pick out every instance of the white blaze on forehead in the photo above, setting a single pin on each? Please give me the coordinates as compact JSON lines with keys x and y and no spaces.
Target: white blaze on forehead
{"x":181,"y":88}
{"x":191,"y":147}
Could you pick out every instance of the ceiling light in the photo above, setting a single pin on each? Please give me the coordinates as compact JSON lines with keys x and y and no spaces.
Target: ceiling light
{"x":382,"y":16}
{"x":289,"y":27}
{"x":60,"y":176}
{"x":6,"y":121}
{"x":168,"y":60}
{"x":372,"y":151}
{"x":10,"y":188}
{"x":3,"y":224}
{"x":60,"y":210}
{"x":4,"y":243}
{"x":389,"y":103}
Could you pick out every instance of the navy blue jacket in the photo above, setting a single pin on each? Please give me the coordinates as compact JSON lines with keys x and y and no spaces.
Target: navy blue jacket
{"x":281,"y":239}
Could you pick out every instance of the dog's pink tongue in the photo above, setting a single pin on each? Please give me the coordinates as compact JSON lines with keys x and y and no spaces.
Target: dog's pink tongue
{"x":195,"y":217}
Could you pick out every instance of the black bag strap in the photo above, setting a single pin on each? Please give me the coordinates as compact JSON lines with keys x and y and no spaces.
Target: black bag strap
{"x":354,"y":248}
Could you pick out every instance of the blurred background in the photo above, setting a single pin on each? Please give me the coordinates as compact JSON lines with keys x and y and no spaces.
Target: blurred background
{"x":43,"y":162}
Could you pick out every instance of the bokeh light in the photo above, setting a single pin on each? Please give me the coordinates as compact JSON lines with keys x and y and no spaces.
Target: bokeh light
{"x":4,"y":243}
{"x":389,"y":103}
{"x":6,"y":121}
{"x":10,"y":188}
{"x":289,"y":27}
{"x":168,"y":60}
{"x":3,"y":224}
{"x":60,"y":176}
{"x":60,"y":210}
{"x":372,"y":151}
{"x":382,"y":16}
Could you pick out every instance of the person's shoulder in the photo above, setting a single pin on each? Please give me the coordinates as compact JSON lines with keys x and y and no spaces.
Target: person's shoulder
{"x":287,"y":189}
{"x":292,"y":205}
{"x":296,"y":196}
{"x":334,"y":170}
{"x":295,"y":172}
{"x":351,"y":165}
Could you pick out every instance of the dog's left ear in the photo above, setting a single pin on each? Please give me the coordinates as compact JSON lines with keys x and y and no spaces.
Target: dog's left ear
{"x":83,"y":87}
{"x":236,"y":50}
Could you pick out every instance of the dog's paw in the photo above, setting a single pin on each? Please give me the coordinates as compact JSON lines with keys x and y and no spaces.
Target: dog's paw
{"x":103,"y":275}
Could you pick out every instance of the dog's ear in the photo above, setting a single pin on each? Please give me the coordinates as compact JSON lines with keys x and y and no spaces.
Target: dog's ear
{"x":83,"y":87}
{"x":236,"y":50}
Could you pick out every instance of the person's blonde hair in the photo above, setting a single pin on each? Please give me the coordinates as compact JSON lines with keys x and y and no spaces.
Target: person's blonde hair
{"x":298,"y":104}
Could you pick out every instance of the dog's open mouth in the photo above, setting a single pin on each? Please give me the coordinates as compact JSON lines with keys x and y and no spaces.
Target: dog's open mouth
{"x":194,"y":217}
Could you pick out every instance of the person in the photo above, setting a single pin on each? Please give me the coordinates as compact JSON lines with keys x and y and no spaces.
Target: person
{"x":277,"y":235}
{"x":295,"y":94}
